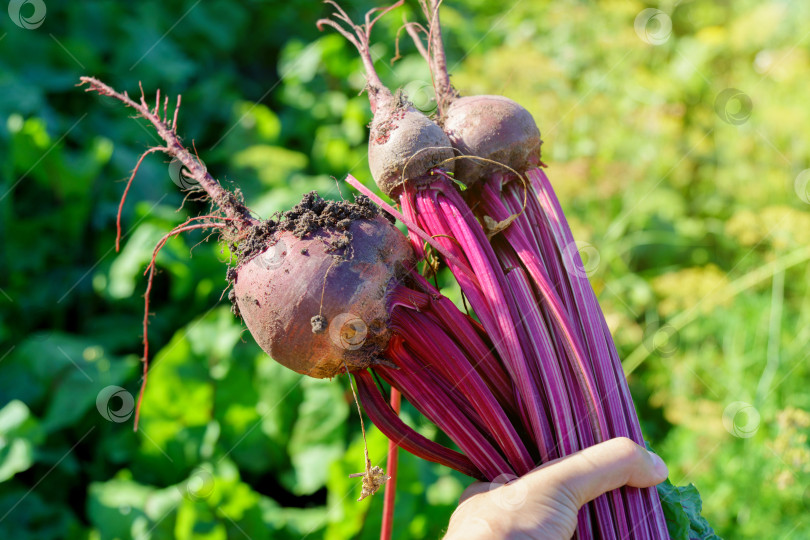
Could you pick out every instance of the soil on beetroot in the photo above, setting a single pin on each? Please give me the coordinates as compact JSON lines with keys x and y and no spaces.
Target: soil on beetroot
{"x":319,"y":324}
{"x":312,"y":214}
{"x":383,"y":131}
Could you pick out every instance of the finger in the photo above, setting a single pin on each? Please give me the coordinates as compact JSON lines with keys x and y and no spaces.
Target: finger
{"x":601,"y":468}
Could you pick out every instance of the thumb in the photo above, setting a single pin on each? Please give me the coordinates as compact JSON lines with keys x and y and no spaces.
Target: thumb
{"x":601,"y":468}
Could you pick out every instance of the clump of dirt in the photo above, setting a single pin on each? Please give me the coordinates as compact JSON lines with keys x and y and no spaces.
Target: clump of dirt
{"x":314,"y":213}
{"x":310,"y":215}
{"x":245,"y":244}
{"x":340,"y":243}
{"x":318,"y":324}
{"x":234,"y":306}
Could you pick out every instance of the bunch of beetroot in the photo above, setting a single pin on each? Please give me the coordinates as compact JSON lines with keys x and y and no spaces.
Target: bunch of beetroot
{"x":330,"y":287}
{"x":508,"y":245}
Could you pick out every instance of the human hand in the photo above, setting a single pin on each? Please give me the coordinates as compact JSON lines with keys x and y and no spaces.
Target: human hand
{"x":544,"y":503}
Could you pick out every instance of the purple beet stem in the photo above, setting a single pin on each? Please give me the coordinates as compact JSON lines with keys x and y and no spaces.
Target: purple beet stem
{"x":562,"y":377}
{"x":614,"y":385}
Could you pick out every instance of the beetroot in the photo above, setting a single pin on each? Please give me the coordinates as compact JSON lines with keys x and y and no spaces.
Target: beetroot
{"x":494,"y":128}
{"x":315,"y":298}
{"x":404,"y":145}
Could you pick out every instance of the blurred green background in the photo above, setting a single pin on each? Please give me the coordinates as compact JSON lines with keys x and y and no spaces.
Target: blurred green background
{"x":676,"y":140}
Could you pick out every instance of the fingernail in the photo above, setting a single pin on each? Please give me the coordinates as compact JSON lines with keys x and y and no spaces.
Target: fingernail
{"x":659,"y":465}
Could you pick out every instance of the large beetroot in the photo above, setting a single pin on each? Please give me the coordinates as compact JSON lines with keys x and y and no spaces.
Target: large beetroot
{"x":315,"y":297}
